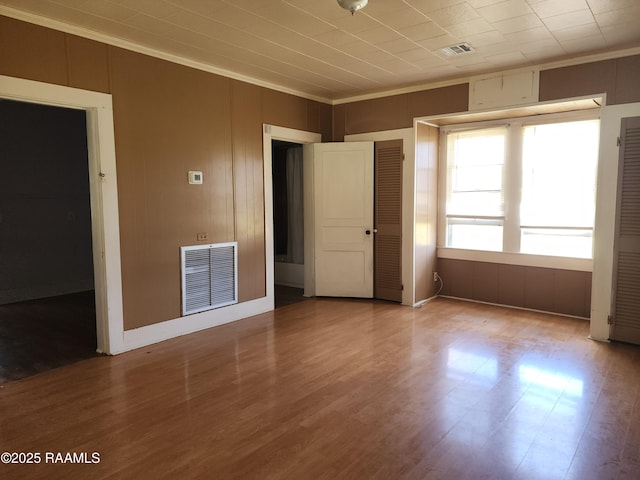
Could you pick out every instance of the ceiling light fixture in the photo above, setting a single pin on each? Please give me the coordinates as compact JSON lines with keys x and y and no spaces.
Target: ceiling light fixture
{"x":353,"y":5}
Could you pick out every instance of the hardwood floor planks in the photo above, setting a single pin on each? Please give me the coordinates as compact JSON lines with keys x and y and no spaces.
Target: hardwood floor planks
{"x":342,"y":389}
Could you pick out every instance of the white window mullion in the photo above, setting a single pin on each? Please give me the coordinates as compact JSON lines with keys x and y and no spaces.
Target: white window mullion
{"x":512,"y":188}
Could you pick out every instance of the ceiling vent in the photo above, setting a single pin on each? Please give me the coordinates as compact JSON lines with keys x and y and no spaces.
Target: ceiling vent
{"x":458,"y":49}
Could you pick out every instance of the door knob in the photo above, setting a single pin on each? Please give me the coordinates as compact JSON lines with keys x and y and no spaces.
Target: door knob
{"x":368,"y":232}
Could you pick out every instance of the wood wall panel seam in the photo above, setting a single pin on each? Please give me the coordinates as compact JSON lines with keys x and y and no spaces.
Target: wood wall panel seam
{"x":67,"y":58}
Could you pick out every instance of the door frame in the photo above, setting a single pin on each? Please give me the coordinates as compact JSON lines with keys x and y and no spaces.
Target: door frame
{"x":604,"y":228}
{"x":269,"y":133}
{"x":103,"y":190}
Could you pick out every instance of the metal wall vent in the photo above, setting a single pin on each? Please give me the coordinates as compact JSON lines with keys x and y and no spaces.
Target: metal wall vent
{"x":458,"y":49}
{"x":209,"y":276}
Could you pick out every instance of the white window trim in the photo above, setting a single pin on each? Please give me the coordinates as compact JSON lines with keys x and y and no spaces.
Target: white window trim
{"x":513,"y":173}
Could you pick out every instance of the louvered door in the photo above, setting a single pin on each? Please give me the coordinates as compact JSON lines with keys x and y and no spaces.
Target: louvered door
{"x":626,"y":294}
{"x":388,"y":221}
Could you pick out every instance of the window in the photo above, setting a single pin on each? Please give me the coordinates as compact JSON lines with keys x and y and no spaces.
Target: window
{"x":526,"y":187}
{"x":475,"y":200}
{"x":559,"y":164}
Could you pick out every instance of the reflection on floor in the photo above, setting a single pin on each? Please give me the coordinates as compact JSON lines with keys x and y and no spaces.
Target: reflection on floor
{"x":288,"y":296}
{"x":39,"y":335}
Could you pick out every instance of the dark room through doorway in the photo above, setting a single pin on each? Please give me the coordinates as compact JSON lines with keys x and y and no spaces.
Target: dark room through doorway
{"x":288,"y":222}
{"x":47,"y":298}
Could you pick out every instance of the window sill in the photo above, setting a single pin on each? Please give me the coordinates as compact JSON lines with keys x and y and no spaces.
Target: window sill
{"x":522,"y":259}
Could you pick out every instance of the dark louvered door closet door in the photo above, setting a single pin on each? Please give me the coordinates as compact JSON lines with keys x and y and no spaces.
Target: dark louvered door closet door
{"x":626,"y":294}
{"x":388,"y":221}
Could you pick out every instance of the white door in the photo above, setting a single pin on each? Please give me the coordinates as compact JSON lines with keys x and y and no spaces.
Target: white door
{"x":343,"y":212}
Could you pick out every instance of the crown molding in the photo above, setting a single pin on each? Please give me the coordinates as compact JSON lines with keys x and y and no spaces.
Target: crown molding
{"x":465,"y":79}
{"x":121,"y":43}
{"x":135,"y":47}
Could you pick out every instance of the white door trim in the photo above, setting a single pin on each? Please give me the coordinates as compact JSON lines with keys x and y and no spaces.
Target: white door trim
{"x":604,"y":231}
{"x":269,"y":133}
{"x":103,"y":192}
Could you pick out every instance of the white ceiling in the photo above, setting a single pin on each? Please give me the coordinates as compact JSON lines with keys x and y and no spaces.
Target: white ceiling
{"x":318,"y":49}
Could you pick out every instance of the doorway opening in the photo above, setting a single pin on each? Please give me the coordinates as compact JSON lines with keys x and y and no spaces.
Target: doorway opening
{"x":273,"y":133}
{"x":47,"y":296}
{"x":288,"y":222}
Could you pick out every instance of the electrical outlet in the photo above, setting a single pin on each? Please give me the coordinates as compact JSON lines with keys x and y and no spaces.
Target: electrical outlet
{"x":435,"y":276}
{"x":203,"y":236}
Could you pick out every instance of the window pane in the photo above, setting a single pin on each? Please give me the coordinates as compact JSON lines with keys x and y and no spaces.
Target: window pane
{"x":475,"y":204}
{"x":559,"y":167}
{"x":563,"y":243}
{"x":559,"y":174}
{"x":475,"y":177}
{"x":474,"y":236}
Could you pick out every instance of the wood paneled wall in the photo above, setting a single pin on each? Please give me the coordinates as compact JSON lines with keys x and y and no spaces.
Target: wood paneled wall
{"x":547,"y":289}
{"x":618,"y":78}
{"x":248,"y":188}
{"x":170,"y":119}
{"x":397,"y":111}
{"x":426,"y":210}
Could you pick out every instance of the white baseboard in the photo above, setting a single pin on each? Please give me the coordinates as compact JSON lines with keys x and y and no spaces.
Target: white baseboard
{"x":158,"y":332}
{"x":504,"y":305}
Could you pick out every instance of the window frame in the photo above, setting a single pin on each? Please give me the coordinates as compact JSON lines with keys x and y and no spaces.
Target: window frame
{"x":495,"y":218}
{"x":512,"y":184}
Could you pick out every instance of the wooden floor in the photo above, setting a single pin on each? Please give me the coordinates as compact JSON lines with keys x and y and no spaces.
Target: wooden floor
{"x":342,"y":389}
{"x":38,"y":335}
{"x":42,"y":334}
